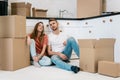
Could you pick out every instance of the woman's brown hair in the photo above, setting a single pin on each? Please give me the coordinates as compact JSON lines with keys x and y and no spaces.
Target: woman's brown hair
{"x":35,"y":32}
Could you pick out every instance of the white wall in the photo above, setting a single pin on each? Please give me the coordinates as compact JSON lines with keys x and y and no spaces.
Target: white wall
{"x":95,"y":29}
{"x":113,"y":5}
{"x":53,"y":6}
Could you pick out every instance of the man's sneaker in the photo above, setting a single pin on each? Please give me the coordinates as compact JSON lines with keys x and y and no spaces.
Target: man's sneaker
{"x":36,"y":64}
{"x":75,"y":69}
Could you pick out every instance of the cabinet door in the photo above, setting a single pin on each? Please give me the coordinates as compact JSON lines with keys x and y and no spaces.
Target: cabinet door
{"x":88,"y":8}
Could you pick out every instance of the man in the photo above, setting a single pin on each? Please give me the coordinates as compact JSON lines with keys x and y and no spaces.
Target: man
{"x":60,"y":47}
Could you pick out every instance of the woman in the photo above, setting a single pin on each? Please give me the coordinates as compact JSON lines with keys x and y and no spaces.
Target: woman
{"x":38,"y":41}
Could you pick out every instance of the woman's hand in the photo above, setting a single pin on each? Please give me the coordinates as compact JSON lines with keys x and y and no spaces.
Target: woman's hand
{"x":35,"y":58}
{"x":28,"y":40}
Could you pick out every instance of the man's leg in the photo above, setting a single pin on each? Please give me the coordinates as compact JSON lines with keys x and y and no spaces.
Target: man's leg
{"x":60,"y":63}
{"x":71,"y":44}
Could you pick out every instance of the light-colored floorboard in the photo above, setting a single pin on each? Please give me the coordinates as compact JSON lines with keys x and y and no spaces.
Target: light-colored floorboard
{"x":51,"y":73}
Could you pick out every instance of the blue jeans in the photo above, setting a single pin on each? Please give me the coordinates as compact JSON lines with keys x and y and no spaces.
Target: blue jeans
{"x":71,"y":45}
{"x":44,"y":61}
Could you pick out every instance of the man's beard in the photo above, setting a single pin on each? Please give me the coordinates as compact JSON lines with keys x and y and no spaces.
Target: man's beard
{"x":54,"y":29}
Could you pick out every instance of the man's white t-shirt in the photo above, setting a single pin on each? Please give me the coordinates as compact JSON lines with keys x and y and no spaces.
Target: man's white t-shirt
{"x":56,"y":41}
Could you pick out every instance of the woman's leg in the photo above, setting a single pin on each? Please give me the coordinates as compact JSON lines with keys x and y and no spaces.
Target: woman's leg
{"x":32,"y":48}
{"x":33,"y":52}
{"x":45,"y":61}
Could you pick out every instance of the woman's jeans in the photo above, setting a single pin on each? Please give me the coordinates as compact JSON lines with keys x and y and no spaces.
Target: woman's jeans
{"x":71,"y":44}
{"x":44,"y":61}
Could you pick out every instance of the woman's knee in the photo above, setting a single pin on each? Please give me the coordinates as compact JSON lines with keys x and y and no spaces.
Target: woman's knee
{"x":32,"y":40}
{"x":48,"y":61}
{"x":45,"y":62}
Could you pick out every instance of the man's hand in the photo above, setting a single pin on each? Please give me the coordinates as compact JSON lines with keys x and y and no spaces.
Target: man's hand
{"x":64,"y":43}
{"x":62,"y":56}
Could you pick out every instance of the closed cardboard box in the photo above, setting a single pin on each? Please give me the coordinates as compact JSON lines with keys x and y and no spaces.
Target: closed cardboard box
{"x":21,"y":8}
{"x":39,"y":12}
{"x":109,"y":68}
{"x":12,"y":26}
{"x":92,"y":50}
{"x":14,"y":54}
{"x":89,"y":8}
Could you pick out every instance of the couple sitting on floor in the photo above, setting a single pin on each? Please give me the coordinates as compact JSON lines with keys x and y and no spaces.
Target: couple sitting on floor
{"x":57,"y":44}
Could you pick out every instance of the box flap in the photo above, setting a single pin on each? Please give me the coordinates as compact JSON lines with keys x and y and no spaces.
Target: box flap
{"x":106,"y":42}
{"x":86,"y":43}
{"x":42,"y":10}
{"x":20,"y":5}
{"x":28,"y":5}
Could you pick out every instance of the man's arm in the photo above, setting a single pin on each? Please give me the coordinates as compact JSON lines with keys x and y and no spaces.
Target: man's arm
{"x":61,"y":55}
{"x":50,"y":52}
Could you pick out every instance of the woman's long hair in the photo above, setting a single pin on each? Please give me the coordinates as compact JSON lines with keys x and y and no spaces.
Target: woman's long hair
{"x":35,"y":32}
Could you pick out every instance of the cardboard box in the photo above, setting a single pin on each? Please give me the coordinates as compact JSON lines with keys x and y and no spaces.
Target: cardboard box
{"x":109,"y":68}
{"x":39,"y":12}
{"x":21,"y":8}
{"x":0,"y":55}
{"x":14,"y":53}
{"x":12,"y":26}
{"x":92,"y":50}
{"x":89,"y":8}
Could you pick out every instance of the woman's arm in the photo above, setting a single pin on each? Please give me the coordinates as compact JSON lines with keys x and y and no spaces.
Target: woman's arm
{"x":45,"y":42}
{"x":28,"y":40}
{"x":42,"y":52}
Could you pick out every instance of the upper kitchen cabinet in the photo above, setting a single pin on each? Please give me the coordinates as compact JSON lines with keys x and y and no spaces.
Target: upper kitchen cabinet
{"x":88,"y":8}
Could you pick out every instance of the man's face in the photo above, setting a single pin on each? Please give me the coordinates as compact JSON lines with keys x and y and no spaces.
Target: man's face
{"x":53,"y":25}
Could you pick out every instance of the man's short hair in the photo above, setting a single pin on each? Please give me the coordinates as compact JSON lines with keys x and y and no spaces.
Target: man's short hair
{"x":52,"y":19}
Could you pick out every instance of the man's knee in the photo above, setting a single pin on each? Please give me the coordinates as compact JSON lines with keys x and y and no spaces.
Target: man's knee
{"x":71,"y":39}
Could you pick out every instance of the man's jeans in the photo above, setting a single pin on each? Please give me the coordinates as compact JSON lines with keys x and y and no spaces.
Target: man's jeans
{"x":71,"y":44}
{"x":44,"y":61}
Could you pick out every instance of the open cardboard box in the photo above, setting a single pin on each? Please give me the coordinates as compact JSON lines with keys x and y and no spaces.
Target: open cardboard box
{"x":92,"y":50}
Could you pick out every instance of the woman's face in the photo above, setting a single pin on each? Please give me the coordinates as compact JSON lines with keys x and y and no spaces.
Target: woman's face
{"x":40,"y":27}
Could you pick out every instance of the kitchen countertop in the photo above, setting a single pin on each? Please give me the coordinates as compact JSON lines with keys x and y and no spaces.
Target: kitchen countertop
{"x":104,"y":15}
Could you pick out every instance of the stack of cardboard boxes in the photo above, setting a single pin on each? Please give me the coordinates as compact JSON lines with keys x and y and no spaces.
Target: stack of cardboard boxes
{"x":14,"y":52}
{"x":21,"y":8}
{"x":24,"y":9}
{"x":92,"y":51}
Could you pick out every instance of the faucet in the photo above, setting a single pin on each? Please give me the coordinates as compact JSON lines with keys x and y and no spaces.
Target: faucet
{"x":61,"y":13}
